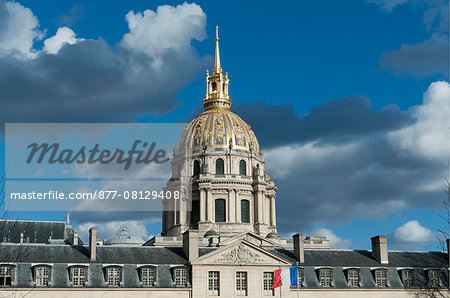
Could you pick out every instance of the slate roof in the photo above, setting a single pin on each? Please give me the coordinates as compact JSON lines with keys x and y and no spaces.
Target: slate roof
{"x":48,"y":253}
{"x":62,"y":257}
{"x":34,"y":231}
{"x":364,"y":258}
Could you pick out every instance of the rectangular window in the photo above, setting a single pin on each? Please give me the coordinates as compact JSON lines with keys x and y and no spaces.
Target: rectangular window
{"x":381,"y":277}
{"x":301,"y":277}
{"x":213,"y":283}
{"x":42,"y":276}
{"x":245,"y":214}
{"x":353,"y":277}
{"x":5,"y":276}
{"x":433,"y":277}
{"x":180,"y":275}
{"x":241,"y":283}
{"x":325,"y":277}
{"x":148,"y":276}
{"x":267,"y":284}
{"x":407,"y":277}
{"x":78,"y":276}
{"x":113,"y":276}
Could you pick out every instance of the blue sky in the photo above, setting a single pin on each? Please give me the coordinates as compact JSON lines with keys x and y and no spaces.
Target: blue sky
{"x":333,"y":89}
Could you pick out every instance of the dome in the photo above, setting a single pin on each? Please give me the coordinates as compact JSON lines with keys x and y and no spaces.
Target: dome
{"x":211,"y":233}
{"x":273,"y":235}
{"x":217,"y":128}
{"x":123,"y":238}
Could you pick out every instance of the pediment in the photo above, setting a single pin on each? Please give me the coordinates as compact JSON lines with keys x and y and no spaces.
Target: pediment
{"x":241,"y":253}
{"x":252,"y":238}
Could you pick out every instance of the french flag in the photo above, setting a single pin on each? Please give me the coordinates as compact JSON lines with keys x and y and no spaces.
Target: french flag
{"x":286,"y":277}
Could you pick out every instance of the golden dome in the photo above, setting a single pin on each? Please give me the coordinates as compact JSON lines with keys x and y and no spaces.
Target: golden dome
{"x":217,"y":128}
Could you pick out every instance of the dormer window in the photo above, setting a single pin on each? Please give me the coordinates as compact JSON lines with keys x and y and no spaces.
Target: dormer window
{"x":381,"y":277}
{"x":78,"y":276}
{"x":42,"y":275}
{"x":325,"y":278}
{"x":5,"y":275}
{"x":433,"y":278}
{"x":353,"y":277}
{"x":113,"y":276}
{"x":180,"y":277}
{"x":407,"y":277}
{"x":148,"y":276}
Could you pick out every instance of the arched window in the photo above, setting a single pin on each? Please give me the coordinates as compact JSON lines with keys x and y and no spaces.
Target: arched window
{"x":245,"y":211}
{"x":219,"y":166}
{"x":196,"y":168}
{"x":242,"y":167}
{"x":195,"y":218}
{"x":214,"y":86}
{"x":220,"y":210}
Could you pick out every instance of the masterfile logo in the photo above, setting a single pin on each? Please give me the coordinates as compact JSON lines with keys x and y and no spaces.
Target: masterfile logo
{"x":95,"y":167}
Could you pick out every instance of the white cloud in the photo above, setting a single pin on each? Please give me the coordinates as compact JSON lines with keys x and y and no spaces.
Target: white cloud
{"x":428,"y":137}
{"x":335,"y":240}
{"x":387,"y":5}
{"x":169,"y":28}
{"x":283,"y":160}
{"x":18,"y":31}
{"x":108,"y":229}
{"x":64,"y":35}
{"x":149,"y":67}
{"x":413,"y":231}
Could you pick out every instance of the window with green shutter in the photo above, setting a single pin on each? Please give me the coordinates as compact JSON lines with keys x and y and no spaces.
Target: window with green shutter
{"x":245,"y":209}
{"x":242,"y":168}
{"x":220,"y":210}
{"x":219,"y":166}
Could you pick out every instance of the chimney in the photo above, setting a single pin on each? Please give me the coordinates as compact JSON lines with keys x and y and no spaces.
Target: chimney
{"x":190,"y":244}
{"x":22,"y":235}
{"x":299,"y":250}
{"x":379,"y":248}
{"x":75,"y":238}
{"x":93,"y":243}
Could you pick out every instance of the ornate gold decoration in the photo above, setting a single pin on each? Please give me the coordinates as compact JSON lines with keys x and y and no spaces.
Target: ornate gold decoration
{"x":237,"y":128}
{"x":199,"y":128}
{"x":218,"y":127}
{"x":240,"y":255}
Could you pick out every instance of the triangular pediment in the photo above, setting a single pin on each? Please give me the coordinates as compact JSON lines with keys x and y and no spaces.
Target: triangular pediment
{"x":253,"y":238}
{"x":241,"y":253}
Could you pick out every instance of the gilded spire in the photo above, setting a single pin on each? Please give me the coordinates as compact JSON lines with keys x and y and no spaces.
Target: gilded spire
{"x":217,"y":84}
{"x":217,"y":67}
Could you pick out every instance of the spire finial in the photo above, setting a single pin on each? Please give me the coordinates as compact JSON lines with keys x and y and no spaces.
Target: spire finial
{"x":217,"y":67}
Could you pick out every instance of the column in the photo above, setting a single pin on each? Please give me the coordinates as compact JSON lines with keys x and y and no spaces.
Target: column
{"x":273,"y":220}
{"x":238,"y":205}
{"x":209,"y":203}
{"x":259,"y":206}
{"x":231,"y":205}
{"x":202,"y":205}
